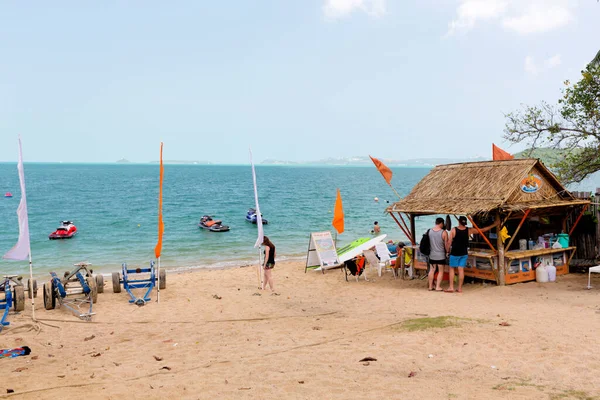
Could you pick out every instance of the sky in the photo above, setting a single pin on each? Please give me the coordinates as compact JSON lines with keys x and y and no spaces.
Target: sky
{"x":297,"y":80}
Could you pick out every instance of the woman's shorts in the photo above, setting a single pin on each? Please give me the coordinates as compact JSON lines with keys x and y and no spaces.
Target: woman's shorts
{"x":269,"y":265}
{"x":458,"y":261}
{"x":438,"y":262}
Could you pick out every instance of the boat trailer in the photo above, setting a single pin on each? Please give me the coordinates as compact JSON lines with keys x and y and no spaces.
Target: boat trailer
{"x":133,"y":279}
{"x":14,"y":296}
{"x":76,"y":291}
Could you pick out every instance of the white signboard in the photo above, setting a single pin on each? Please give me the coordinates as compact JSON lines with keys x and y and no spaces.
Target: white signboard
{"x":321,"y":251}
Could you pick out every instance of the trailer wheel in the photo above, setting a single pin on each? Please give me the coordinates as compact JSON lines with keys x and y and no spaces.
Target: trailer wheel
{"x":49,"y":299}
{"x":19,"y":301}
{"x":162,"y":274}
{"x":116,"y":280}
{"x":100,"y":283}
{"x":91,"y":282}
{"x":35,"y":288}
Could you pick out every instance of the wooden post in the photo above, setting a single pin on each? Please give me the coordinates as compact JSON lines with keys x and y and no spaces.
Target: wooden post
{"x":518,"y":228}
{"x":501,"y":263}
{"x":578,"y":219}
{"x":414,"y":235}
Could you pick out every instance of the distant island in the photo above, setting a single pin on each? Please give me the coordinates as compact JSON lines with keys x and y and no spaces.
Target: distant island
{"x":182,"y":162}
{"x":123,"y":161}
{"x":359,"y":160}
{"x":549,"y":156}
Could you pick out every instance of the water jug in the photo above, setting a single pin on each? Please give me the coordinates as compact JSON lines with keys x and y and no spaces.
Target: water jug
{"x":563,"y":239}
{"x":551,"y":269}
{"x":541,"y":274}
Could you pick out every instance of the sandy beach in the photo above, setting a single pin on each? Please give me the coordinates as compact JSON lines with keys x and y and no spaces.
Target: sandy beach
{"x":213,"y":336}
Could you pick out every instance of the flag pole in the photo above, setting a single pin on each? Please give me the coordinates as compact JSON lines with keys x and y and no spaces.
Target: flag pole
{"x":400,"y":197}
{"x":161,"y":225}
{"x":259,"y":271}
{"x":158,"y":283}
{"x":31,"y":287}
{"x":259,"y":221}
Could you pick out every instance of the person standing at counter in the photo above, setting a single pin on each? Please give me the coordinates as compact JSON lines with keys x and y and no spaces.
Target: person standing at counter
{"x":438,"y":239}
{"x":458,"y":248}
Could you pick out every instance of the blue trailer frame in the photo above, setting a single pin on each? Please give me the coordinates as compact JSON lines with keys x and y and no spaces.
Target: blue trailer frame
{"x":14,"y":299}
{"x":5,"y":304}
{"x":75,"y":290}
{"x":130,"y":284}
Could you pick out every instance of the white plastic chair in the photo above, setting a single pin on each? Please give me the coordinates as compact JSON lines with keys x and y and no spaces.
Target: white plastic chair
{"x":372,"y":260}
{"x":385,"y":257}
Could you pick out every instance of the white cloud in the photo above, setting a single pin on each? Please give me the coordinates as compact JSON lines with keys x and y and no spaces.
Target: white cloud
{"x":530,"y":66}
{"x":553,"y":61}
{"x":537,"y":17}
{"x":470,"y":11}
{"x":521,"y":16}
{"x":341,"y":8}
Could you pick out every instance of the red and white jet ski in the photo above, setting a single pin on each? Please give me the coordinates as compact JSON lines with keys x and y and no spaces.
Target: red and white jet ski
{"x":66,"y":230}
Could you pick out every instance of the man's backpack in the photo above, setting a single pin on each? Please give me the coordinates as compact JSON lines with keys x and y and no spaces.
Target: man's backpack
{"x":425,"y":245}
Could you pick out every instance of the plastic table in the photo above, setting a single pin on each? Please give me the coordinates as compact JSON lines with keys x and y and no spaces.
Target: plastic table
{"x":596,"y":270}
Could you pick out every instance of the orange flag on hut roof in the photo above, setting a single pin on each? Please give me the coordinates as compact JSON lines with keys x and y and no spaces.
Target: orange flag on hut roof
{"x":338,"y":214}
{"x":385,"y":171}
{"x":499,"y":154}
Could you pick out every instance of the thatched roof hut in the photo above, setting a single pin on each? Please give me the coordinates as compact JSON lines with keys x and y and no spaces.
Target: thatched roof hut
{"x":505,"y":190}
{"x":481,"y":187}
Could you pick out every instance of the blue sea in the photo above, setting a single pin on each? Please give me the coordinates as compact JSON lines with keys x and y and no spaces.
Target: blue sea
{"x":114,"y":207}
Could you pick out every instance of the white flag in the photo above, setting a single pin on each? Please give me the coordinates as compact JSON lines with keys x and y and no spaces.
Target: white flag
{"x":22,"y":249}
{"x":259,"y":222}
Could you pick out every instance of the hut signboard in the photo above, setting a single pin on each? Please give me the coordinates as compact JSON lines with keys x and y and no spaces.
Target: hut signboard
{"x":535,"y":215}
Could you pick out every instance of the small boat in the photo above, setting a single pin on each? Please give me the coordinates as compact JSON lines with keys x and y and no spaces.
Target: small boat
{"x":66,"y":230}
{"x":213,"y":225}
{"x":8,"y":195}
{"x":251,"y":217}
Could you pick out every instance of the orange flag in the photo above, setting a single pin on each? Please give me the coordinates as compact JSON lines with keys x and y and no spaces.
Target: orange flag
{"x":385,"y":171}
{"x":338,"y":214}
{"x":499,"y":154}
{"x":161,"y":225}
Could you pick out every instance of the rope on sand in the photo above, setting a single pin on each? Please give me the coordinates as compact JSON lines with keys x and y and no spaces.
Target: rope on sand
{"x":185,"y":322}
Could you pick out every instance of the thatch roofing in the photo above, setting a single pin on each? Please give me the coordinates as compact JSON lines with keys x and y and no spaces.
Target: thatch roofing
{"x":480,"y":187}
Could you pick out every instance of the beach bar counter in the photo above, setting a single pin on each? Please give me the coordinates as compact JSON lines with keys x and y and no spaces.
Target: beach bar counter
{"x":535,"y":211}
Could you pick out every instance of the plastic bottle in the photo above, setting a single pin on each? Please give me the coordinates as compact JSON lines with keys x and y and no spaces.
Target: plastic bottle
{"x":551,"y":269}
{"x":541,"y":274}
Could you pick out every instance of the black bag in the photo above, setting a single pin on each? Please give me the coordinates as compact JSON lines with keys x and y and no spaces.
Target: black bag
{"x":425,"y":245}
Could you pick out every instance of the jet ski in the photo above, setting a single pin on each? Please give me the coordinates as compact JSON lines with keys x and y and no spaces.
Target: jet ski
{"x":251,"y":217}
{"x":213,"y":225}
{"x":66,"y":230}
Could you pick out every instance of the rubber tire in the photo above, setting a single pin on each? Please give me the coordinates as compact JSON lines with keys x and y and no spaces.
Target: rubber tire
{"x":162,"y":273}
{"x":99,"y":283}
{"x":91,"y":282}
{"x":19,"y":298}
{"x":116,"y":280}
{"x":35,"y":288}
{"x":49,"y":300}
